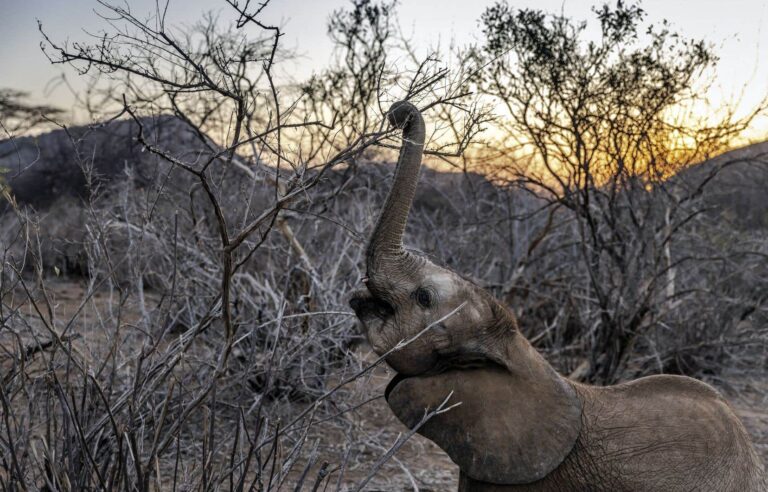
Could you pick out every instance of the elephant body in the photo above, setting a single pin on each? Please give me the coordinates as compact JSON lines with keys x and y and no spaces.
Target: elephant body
{"x":655,"y":434}
{"x":526,"y":428}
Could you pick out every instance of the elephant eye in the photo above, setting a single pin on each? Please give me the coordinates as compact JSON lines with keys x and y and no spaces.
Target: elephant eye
{"x":423,"y":297}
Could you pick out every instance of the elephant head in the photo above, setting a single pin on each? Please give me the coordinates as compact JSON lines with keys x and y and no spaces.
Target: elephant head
{"x":406,"y":293}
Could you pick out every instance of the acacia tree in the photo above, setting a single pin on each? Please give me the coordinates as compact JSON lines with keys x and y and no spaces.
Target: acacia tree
{"x":17,"y":116}
{"x":601,"y":126}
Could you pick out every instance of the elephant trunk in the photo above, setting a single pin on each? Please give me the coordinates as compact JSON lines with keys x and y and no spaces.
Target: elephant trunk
{"x":386,"y":242}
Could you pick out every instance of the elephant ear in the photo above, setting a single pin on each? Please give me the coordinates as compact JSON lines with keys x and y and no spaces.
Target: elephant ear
{"x":509,"y":429}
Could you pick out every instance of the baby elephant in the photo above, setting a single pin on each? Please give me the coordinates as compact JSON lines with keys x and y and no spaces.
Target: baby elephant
{"x":522,"y":426}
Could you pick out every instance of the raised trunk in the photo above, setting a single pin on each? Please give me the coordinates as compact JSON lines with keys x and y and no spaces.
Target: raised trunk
{"x":387,"y":238}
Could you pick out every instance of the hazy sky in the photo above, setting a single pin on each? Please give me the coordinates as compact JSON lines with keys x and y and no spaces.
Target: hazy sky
{"x":737,"y":27}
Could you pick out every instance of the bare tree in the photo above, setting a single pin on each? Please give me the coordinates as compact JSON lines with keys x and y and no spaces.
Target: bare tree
{"x":206,"y":351}
{"x":599,"y":128}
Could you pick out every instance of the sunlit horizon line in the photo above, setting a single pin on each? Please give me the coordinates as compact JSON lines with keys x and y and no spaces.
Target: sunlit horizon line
{"x":755,"y":132}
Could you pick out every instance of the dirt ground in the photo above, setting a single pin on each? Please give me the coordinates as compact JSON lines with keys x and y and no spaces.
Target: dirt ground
{"x":419,"y":464}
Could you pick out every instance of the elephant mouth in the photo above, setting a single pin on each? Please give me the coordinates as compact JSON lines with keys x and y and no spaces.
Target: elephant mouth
{"x":366,"y":306}
{"x":445,"y":365}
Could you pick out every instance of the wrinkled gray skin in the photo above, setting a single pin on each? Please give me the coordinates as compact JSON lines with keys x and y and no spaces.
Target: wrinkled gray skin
{"x":522,"y":426}
{"x":407,"y":292}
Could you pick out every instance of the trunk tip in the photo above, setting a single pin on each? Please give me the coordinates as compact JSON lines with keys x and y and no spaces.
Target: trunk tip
{"x":401,"y":113}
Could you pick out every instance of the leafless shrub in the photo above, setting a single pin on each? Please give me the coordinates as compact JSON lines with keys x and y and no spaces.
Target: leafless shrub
{"x":209,"y":347}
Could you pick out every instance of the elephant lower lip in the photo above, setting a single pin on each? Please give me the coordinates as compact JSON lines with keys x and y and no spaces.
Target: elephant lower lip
{"x":394,"y":382}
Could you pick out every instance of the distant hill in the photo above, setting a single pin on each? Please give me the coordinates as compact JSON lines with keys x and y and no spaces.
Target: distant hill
{"x":44,"y":168}
{"x":739,"y":191}
{"x":46,"y":173}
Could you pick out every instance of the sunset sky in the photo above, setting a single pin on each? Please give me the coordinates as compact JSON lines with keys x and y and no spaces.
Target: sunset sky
{"x":736,"y":27}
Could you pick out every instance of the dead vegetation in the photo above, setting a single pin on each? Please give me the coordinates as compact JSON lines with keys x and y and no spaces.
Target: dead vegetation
{"x":175,"y":318}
